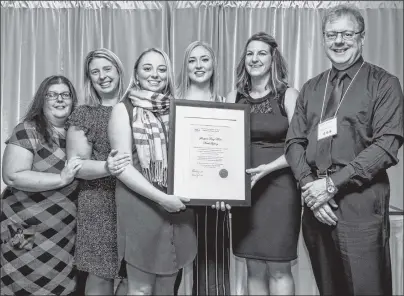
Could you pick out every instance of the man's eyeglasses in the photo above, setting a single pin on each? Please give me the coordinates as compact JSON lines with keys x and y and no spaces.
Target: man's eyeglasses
{"x":346,"y":35}
{"x":53,"y":96}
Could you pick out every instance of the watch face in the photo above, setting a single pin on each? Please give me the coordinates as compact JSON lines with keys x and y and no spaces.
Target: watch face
{"x":331,"y":189}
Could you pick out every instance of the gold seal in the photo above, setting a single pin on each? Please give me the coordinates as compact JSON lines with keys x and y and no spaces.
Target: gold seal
{"x":223,"y":173}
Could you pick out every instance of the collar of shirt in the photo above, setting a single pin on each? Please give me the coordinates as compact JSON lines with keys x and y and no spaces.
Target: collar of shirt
{"x":351,"y":71}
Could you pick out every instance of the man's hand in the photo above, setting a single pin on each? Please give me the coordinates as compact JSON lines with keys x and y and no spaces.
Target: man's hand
{"x":325,"y":215}
{"x":315,"y":193}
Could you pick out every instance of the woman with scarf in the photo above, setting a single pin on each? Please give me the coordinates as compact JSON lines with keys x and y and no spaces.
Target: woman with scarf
{"x":156,"y":235}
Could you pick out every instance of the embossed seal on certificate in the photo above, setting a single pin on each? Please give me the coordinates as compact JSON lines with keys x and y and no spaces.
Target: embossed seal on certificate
{"x":223,"y":173}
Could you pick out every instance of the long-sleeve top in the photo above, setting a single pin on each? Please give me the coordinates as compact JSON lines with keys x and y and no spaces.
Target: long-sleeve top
{"x":369,"y":124}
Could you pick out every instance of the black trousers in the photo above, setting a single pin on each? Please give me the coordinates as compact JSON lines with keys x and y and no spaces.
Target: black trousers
{"x":353,"y":257}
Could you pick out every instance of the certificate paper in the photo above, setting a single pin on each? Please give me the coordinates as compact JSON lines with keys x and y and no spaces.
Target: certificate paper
{"x":208,"y":153}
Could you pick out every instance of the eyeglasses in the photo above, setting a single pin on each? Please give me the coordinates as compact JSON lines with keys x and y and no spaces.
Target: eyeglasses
{"x":346,"y":35}
{"x":53,"y":96}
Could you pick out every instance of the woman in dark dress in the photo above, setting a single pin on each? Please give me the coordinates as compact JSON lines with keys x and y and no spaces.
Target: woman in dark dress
{"x":198,"y":81}
{"x":267,"y":233}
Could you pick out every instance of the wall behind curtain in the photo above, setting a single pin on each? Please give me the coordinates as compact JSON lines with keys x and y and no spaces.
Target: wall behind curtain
{"x":42,"y":38}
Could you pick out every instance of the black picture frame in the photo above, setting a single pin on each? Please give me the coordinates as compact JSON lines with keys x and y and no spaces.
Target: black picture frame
{"x":203,"y":108}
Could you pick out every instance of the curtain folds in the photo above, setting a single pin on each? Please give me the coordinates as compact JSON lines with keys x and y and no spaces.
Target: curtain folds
{"x":84,"y":4}
{"x":42,"y":38}
{"x":190,"y":4}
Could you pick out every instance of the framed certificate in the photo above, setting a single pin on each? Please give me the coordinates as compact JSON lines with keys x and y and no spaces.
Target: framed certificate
{"x":209,"y":152}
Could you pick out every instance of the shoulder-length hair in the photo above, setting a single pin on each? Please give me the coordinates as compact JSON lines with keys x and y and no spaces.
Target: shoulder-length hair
{"x":169,"y":89}
{"x":91,"y":97}
{"x":35,"y":112}
{"x":278,"y":69}
{"x":183,"y":79}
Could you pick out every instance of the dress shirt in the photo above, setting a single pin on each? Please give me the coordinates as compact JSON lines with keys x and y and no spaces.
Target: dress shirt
{"x":369,"y":124}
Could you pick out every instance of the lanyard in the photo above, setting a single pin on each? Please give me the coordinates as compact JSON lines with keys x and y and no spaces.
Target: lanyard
{"x":340,"y":102}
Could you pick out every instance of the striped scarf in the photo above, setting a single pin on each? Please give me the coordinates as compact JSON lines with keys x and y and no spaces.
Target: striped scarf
{"x":150,"y":126}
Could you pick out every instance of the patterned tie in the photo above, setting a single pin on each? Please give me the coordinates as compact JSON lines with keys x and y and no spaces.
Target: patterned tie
{"x":323,"y":155}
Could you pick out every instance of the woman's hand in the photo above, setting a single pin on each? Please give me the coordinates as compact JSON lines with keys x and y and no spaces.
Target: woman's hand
{"x":173,"y":203}
{"x":116,"y":163}
{"x":221,"y":206}
{"x":70,"y":170}
{"x":258,"y":172}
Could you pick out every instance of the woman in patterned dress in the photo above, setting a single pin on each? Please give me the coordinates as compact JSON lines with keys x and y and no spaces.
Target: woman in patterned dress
{"x":96,"y":247}
{"x":38,"y":217}
{"x":156,"y":235}
{"x":198,"y":80}
{"x":266,"y":234}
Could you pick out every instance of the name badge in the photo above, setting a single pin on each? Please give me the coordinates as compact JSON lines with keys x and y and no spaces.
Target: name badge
{"x":327,"y":128}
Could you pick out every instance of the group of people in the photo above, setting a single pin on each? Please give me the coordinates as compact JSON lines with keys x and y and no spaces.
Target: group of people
{"x":87,"y":185}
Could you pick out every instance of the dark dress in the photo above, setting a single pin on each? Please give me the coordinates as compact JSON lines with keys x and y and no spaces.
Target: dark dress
{"x":150,"y":238}
{"x":96,"y":245}
{"x":38,"y":228}
{"x":269,"y":229}
{"x":211,"y":265}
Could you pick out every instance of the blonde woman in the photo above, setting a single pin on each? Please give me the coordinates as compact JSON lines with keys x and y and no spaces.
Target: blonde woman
{"x":156,"y":235}
{"x":198,"y":80}
{"x":87,"y":138}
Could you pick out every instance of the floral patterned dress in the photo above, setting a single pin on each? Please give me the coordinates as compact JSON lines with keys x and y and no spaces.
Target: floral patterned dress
{"x":96,"y":246}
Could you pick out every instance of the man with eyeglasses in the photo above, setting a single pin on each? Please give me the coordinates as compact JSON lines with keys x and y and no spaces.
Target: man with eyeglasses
{"x":345,"y":133}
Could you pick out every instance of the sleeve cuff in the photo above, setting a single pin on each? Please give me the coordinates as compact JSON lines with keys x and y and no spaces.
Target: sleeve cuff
{"x":309,"y":178}
{"x":342,"y":177}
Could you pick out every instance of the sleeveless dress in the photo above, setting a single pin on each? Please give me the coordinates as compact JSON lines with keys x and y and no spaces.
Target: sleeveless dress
{"x":269,"y":229}
{"x":38,"y":228}
{"x":211,"y":265}
{"x":96,"y":245}
{"x":150,"y":238}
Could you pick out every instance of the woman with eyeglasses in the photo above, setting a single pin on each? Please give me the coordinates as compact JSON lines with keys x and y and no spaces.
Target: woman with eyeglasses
{"x":96,"y":247}
{"x":38,"y":217}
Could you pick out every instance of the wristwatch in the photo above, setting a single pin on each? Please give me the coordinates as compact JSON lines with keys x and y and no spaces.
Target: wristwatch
{"x":330,"y":186}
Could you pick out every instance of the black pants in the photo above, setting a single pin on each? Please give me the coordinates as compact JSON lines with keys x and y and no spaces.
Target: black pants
{"x":353,"y":257}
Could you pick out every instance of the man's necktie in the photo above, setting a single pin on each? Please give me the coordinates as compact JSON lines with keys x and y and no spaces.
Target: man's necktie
{"x":323,"y":155}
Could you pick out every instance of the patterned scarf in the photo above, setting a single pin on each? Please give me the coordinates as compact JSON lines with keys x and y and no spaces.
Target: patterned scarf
{"x":150,"y":126}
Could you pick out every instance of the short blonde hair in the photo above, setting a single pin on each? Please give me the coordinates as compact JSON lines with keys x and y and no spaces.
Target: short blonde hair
{"x":91,"y":97}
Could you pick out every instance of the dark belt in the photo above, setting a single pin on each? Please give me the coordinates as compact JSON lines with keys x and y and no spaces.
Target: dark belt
{"x":332,"y":169}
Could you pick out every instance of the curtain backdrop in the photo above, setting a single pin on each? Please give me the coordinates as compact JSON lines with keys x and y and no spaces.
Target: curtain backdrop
{"x":42,"y":38}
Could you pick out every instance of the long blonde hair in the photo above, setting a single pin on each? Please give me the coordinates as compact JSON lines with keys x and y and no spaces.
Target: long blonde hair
{"x":183,"y":79}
